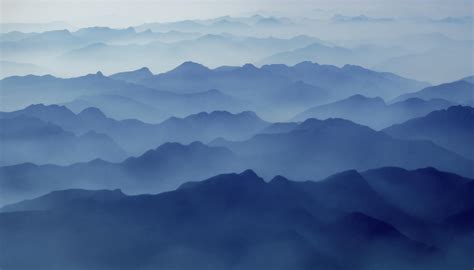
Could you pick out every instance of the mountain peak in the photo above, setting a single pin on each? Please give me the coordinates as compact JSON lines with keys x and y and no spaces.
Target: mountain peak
{"x":350,"y":178}
{"x":145,"y":70}
{"x":249,"y":174}
{"x":362,"y":98}
{"x":355,"y":68}
{"x":134,"y":75}
{"x":305,"y":64}
{"x":39,"y":110}
{"x":41,"y":106}
{"x":249,"y":66}
{"x":190,"y":68}
{"x":279,"y":180}
{"x":97,"y":75}
{"x":233,"y":182}
{"x":340,"y":124}
{"x":92,"y":112}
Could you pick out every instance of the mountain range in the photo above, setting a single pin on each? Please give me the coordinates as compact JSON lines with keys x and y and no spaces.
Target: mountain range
{"x":197,"y":127}
{"x":314,"y":141}
{"x":310,"y":150}
{"x":381,"y":43}
{"x":27,"y":139}
{"x":374,"y":112}
{"x":350,"y":220}
{"x":317,"y":148}
{"x":452,"y":128}
{"x":160,"y":169}
{"x":192,"y":88}
{"x":118,"y":99}
{"x":461,"y":92}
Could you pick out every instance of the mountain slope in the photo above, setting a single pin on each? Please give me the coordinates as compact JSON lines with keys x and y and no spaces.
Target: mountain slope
{"x":160,"y":169}
{"x":374,"y":112}
{"x":194,"y":77}
{"x":348,"y":80}
{"x":233,"y":217}
{"x":452,"y":128}
{"x":115,"y":96}
{"x":27,"y":139}
{"x":133,"y":76}
{"x":197,"y":127}
{"x":319,"y":148}
{"x":457,"y":92}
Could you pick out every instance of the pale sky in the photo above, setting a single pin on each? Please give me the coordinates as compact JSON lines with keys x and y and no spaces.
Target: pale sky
{"x":121,"y":13}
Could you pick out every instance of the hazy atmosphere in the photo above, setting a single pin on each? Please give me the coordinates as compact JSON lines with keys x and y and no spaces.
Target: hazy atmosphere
{"x":288,"y":135}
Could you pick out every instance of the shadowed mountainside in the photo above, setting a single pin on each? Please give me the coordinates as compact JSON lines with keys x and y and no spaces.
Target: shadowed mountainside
{"x":452,"y":128}
{"x":301,"y":226}
{"x":311,"y":150}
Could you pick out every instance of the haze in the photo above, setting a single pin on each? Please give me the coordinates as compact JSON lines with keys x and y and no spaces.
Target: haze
{"x":121,"y":13}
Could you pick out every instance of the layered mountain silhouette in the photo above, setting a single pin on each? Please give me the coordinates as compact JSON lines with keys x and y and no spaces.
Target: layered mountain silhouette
{"x":27,"y":139}
{"x":156,"y":170}
{"x":348,"y":80}
{"x":117,"y":98}
{"x":452,"y":128}
{"x":460,"y":92}
{"x":207,"y":126}
{"x":197,"y":127}
{"x":133,"y":76}
{"x":162,"y":51}
{"x":310,"y":150}
{"x":317,"y":148}
{"x":162,"y":46}
{"x":343,"y":164}
{"x":191,"y":77}
{"x":222,"y":222}
{"x":192,"y":87}
{"x":422,"y":64}
{"x":374,"y":112}
{"x":365,"y":55}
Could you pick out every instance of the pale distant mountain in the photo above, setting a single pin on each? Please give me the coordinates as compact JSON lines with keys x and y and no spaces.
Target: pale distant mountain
{"x":452,"y":128}
{"x":425,"y":65}
{"x":159,"y":55}
{"x":8,"y":69}
{"x":102,"y":34}
{"x":338,"y":18}
{"x":326,"y":53}
{"x":374,"y":112}
{"x":315,"y":52}
{"x":133,"y":76}
{"x":34,"y":27}
{"x":15,"y":36}
{"x":219,"y":24}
